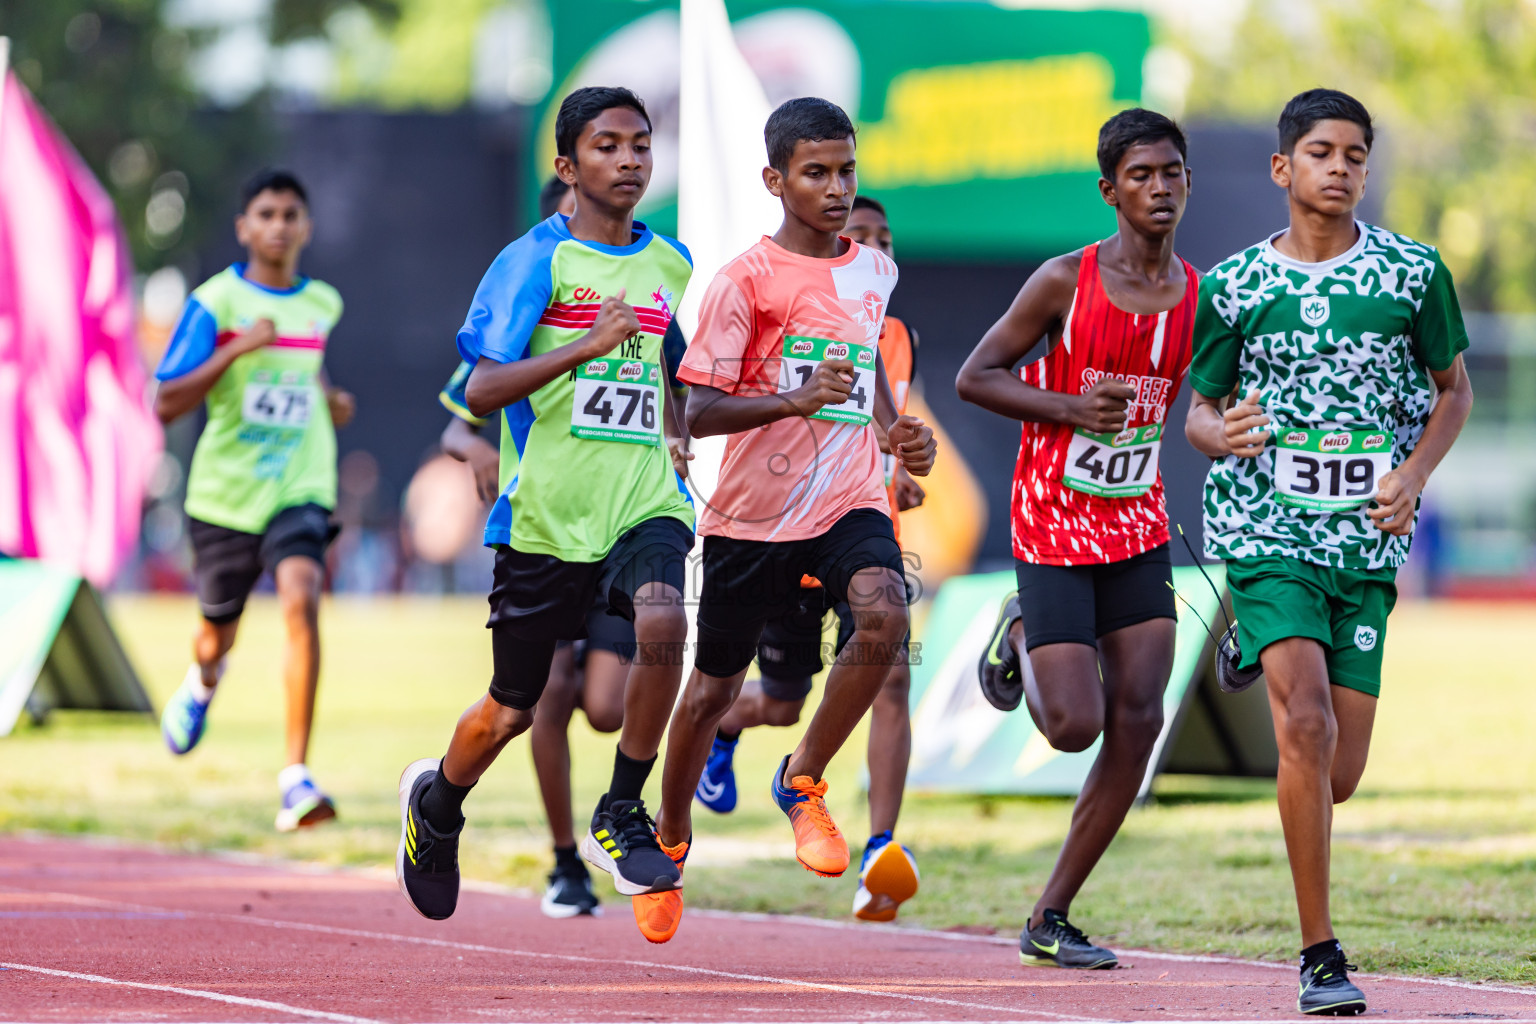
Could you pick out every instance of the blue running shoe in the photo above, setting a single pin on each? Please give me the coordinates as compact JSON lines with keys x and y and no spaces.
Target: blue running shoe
{"x":717,"y":786}
{"x":185,"y":716}
{"x":303,"y":805}
{"x":888,"y":877}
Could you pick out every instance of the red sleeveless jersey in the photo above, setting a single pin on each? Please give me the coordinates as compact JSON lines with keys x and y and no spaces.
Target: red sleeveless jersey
{"x":1053,"y":523}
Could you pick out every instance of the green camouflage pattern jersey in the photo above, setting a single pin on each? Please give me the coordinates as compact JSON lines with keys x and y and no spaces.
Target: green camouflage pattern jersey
{"x":1341,"y":345}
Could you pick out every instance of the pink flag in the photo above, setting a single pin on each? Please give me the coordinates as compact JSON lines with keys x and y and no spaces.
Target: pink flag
{"x":77,"y":437}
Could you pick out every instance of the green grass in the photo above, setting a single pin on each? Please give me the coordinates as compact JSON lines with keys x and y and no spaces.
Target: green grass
{"x":1434,"y":860}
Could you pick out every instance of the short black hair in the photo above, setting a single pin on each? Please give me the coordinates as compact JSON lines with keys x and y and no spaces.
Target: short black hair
{"x":1314,"y":105}
{"x":551,"y":195}
{"x":271,"y":179}
{"x":1136,"y":127}
{"x":807,"y":119}
{"x":867,"y":203}
{"x":583,"y":106}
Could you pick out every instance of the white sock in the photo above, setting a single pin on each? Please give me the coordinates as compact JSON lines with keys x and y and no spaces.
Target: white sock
{"x":194,"y":683}
{"x":292,"y":776}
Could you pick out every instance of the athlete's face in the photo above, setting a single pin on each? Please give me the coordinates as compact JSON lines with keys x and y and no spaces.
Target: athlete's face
{"x":612,"y":164}
{"x":819,"y":184}
{"x":1150,"y":188}
{"x":1326,"y":171}
{"x":274,"y":227}
{"x":868,"y":226}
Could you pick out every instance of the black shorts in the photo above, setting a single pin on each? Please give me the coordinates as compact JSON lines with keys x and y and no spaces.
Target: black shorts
{"x":1077,"y":604}
{"x":227,"y":563}
{"x":607,"y":632}
{"x":748,"y":583}
{"x":539,"y":600}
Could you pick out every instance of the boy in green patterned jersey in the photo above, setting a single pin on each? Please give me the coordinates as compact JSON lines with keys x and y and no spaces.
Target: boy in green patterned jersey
{"x":251,"y":343}
{"x":1328,"y":384}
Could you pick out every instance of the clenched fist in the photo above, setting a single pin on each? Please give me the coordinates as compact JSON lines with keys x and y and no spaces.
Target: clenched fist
{"x":1102,"y":409}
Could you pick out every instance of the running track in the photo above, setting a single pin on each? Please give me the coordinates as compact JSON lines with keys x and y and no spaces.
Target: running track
{"x":92,"y":932}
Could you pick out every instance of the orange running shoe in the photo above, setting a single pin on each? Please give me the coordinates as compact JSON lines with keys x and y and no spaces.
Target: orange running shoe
{"x":657,"y":914}
{"x":819,"y":846}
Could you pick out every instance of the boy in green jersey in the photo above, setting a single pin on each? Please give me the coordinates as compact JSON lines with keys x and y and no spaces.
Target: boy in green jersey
{"x":565,"y":334}
{"x":262,"y":485}
{"x":1328,"y":384}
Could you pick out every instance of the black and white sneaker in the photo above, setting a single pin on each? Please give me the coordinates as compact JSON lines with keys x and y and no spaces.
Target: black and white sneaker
{"x":1228,"y":656}
{"x":427,"y":861}
{"x":1327,"y":991}
{"x":998,"y":669}
{"x":622,"y":842}
{"x":570,"y":893}
{"x":1055,"y":943}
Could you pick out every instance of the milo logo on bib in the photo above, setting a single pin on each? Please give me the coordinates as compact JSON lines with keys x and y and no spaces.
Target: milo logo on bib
{"x":799,"y":359}
{"x":866,"y":357}
{"x":598,"y":368}
{"x":802,"y":347}
{"x":835,"y":352}
{"x":632,"y":371}
{"x":1334,"y":443}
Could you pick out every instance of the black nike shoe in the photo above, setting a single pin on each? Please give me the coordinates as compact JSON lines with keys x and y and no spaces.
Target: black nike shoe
{"x":622,"y":842}
{"x":427,"y":861}
{"x":1327,"y":991}
{"x":1055,"y":943}
{"x":570,"y":893}
{"x":1002,"y":681}
{"x":1228,"y":656}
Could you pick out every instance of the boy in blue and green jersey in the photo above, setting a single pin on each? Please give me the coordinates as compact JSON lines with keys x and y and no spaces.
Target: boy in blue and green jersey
{"x":565,"y":334}
{"x":1329,"y":383}
{"x":263,"y":478}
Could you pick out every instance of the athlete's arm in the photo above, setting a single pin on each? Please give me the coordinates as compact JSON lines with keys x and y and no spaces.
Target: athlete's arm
{"x":906,"y":437}
{"x":1398,"y":491}
{"x":460,"y":441}
{"x":677,"y":437}
{"x":180,"y":395}
{"x":1237,"y":431}
{"x":713,"y":411}
{"x":495,"y":385}
{"x":988,"y":379}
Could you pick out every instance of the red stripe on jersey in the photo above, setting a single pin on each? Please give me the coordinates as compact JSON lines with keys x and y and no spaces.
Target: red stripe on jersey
{"x":582,"y":315}
{"x":281,"y":341}
{"x":1051,"y":523}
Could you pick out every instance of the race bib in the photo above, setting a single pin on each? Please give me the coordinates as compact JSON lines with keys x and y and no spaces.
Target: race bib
{"x":1122,"y":465}
{"x":1330,"y":470}
{"x":801,"y":356}
{"x":617,"y":400}
{"x":270,"y":401}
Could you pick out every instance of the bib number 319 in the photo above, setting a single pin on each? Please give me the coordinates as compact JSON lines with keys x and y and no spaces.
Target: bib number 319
{"x":617,"y":400}
{"x":1330,"y":470}
{"x":802,"y":355}
{"x":1122,"y":465}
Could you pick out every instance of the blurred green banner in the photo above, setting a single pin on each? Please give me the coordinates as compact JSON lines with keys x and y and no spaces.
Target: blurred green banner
{"x":977,"y":124}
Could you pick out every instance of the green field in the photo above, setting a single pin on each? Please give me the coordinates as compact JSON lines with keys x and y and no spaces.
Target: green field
{"x":1435,"y":859}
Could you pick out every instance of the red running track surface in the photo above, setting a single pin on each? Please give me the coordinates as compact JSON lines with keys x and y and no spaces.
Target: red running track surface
{"x":92,"y":932}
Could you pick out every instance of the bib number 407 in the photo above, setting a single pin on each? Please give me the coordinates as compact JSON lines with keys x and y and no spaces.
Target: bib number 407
{"x":1122,"y":465}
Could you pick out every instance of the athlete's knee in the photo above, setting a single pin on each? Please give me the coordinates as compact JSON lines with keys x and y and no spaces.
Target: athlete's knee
{"x":1310,"y":730}
{"x":1072,"y":729}
{"x":298,"y":590}
{"x":781,"y":713}
{"x":501,"y":723}
{"x":1344,"y":780}
{"x":605,"y":719}
{"x":707,"y":698}
{"x":1140,"y":723}
{"x":660,"y":624}
{"x":895,"y":694}
{"x":882,"y":623}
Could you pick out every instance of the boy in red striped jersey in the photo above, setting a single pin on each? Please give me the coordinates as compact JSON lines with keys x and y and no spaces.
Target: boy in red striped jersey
{"x":1087,"y":641}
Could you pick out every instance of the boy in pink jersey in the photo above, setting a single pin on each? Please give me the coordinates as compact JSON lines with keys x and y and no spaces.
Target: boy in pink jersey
{"x":786,"y":361}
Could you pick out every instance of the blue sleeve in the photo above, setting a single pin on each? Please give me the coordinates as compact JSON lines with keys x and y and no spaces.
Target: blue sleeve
{"x":680,"y":247}
{"x":512,"y":296}
{"x":453,"y":398}
{"x":191,"y":344}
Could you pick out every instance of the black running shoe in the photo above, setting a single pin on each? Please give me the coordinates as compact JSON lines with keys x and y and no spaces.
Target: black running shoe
{"x":427,"y":861}
{"x":570,"y":893}
{"x":622,"y":842}
{"x":1002,"y":681}
{"x":1229,"y":655}
{"x":1327,"y":991}
{"x":1055,"y":943}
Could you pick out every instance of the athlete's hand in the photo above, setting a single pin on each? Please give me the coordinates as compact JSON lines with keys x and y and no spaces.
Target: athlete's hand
{"x":909,"y":493}
{"x":1238,"y":421}
{"x":913,"y":444}
{"x":616,"y":320}
{"x":681,"y":456}
{"x":1101,"y":410}
{"x":343,"y":406}
{"x":830,"y":384}
{"x":1396,"y":495}
{"x":262,"y":333}
{"x":485,"y":462}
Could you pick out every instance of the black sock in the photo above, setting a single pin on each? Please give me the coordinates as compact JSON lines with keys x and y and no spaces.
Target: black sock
{"x":629,"y":776}
{"x":566,"y":858}
{"x":727,"y":737}
{"x":1315,"y":953}
{"x":442,"y":804}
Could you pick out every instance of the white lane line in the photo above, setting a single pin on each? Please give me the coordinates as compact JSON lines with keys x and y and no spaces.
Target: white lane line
{"x":474,"y":947}
{"x":197,"y":993}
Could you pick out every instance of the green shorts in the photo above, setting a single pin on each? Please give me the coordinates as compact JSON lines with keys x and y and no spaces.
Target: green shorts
{"x":1345,"y":610}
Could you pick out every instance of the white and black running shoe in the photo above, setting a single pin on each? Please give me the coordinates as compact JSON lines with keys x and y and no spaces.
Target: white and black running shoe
{"x":427,"y":861}
{"x":570,"y":893}
{"x":622,"y":842}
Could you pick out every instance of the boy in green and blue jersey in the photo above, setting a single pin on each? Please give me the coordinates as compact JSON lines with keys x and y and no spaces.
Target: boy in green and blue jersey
{"x":251,"y":343}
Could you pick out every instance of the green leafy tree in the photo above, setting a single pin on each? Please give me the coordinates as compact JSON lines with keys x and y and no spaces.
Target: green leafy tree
{"x":1452,"y":85}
